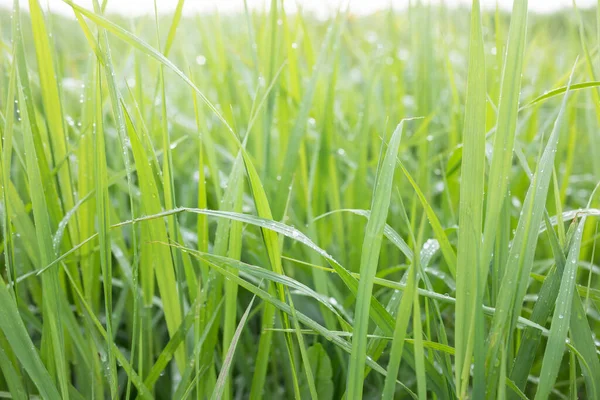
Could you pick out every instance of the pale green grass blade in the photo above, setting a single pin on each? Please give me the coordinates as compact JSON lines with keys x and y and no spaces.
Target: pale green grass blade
{"x":560,"y":320}
{"x":369,"y":260}
{"x":504,"y":136}
{"x":559,"y":91}
{"x":299,"y":128}
{"x":173,"y":28}
{"x":471,"y":205}
{"x":147,"y":49}
{"x":270,"y":58}
{"x":231,"y":291}
{"x":52,"y":105}
{"x":400,"y":330}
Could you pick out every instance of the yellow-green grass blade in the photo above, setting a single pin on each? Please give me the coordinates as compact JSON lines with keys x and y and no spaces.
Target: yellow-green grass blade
{"x":119,"y":118}
{"x":39,"y":139}
{"x":378,"y":313}
{"x":86,"y":185}
{"x":368,"y":265}
{"x":471,"y":205}
{"x":174,"y":24}
{"x":52,"y":106}
{"x":147,"y":49}
{"x":156,"y":260}
{"x":436,"y":225}
{"x":221,"y":242}
{"x":560,"y":91}
{"x":272,"y":56}
{"x":50,"y":283}
{"x":298,"y":131}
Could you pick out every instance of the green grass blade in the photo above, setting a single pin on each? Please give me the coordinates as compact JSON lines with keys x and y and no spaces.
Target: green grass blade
{"x":20,"y":342}
{"x":520,"y":259}
{"x":560,"y":320}
{"x":220,"y":386}
{"x":471,"y":205}
{"x":368,"y":268}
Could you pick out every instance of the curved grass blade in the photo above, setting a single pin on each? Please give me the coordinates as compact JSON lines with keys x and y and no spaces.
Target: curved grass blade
{"x":559,"y":91}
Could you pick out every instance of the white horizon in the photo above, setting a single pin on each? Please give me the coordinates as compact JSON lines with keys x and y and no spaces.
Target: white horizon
{"x":320,"y":7}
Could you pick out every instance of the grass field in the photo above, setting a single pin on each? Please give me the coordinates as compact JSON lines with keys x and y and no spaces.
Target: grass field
{"x":269,"y":205}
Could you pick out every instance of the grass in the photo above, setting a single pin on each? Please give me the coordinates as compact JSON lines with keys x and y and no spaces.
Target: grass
{"x":272,"y":205}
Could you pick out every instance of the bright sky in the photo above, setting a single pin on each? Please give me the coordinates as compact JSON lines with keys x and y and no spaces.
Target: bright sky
{"x":131,"y":7}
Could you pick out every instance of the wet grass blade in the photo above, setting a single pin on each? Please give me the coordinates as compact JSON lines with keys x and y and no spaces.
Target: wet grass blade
{"x":471,"y":205}
{"x":521,"y":254}
{"x":220,"y":386}
{"x":560,"y":320}
{"x":368,"y":265}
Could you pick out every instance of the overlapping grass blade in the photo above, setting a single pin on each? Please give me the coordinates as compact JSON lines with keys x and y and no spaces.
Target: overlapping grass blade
{"x":561,"y":319}
{"x":521,"y":254}
{"x":369,"y":261}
